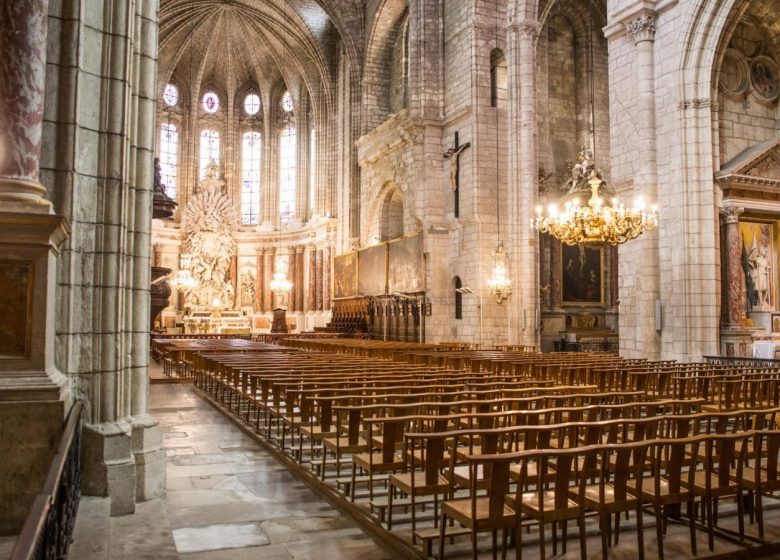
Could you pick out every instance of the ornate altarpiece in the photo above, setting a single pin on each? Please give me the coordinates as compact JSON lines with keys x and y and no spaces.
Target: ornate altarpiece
{"x":208,"y":238}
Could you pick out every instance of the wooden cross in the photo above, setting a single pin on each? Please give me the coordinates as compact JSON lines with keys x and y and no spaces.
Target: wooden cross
{"x":453,"y":154}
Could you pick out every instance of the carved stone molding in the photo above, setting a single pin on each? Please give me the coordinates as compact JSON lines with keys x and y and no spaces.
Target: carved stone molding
{"x":526,"y":28}
{"x":731,"y":214}
{"x":642,"y":28}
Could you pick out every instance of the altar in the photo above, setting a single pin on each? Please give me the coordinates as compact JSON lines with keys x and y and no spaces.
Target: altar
{"x":226,"y":322}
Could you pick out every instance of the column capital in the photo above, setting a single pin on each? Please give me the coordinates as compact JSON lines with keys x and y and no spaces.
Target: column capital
{"x":731,"y":214}
{"x":525,"y":27}
{"x":642,"y":28}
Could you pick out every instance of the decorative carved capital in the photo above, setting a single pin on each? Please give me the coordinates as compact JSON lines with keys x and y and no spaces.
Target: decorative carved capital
{"x":526,"y":27}
{"x":731,"y":214}
{"x":642,"y":29}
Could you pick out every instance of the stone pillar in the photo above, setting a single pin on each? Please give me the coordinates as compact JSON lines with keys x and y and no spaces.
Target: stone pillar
{"x":643,"y":255}
{"x":270,"y":266}
{"x":318,"y":281}
{"x":23,"y":30}
{"x":311,"y":300}
{"x":523,"y":177}
{"x":292,"y":297}
{"x":299,"y":277}
{"x":731,"y":258}
{"x":260,"y":284}
{"x":326,"y":279}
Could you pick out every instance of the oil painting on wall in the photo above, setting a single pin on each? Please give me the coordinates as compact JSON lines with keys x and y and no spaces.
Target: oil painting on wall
{"x":345,"y":275}
{"x":372,"y":270}
{"x":582,"y":274}
{"x":405,"y":269}
{"x":758,"y":264}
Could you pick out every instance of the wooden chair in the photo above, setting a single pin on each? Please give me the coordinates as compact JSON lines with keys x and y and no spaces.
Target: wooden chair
{"x":552,"y":503}
{"x":428,"y":451}
{"x":488,"y":512}
{"x":763,"y":477}
{"x":721,"y":477}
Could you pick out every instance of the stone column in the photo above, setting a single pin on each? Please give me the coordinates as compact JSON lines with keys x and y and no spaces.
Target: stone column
{"x":299,"y":277}
{"x":326,"y":279}
{"x":23,"y":27}
{"x":643,"y":252}
{"x":292,"y":297}
{"x":318,"y":281}
{"x":731,"y":257}
{"x":523,"y":177}
{"x":260,"y":284}
{"x":311,"y":300}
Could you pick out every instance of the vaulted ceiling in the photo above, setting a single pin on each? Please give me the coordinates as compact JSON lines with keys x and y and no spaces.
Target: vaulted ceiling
{"x":228,"y":44}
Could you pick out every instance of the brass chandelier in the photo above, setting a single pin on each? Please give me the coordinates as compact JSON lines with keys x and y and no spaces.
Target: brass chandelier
{"x":597,"y":223}
{"x":499,"y":284}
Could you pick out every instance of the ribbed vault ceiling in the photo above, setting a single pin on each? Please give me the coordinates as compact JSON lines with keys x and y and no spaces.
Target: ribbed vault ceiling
{"x":231,"y":43}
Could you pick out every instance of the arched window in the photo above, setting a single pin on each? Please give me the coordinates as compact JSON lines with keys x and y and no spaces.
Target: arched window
{"x":287,"y":157}
{"x":252,"y":104}
{"x":498,"y":79}
{"x":312,"y":169}
{"x":287,"y":102}
{"x":209,"y":149}
{"x":171,"y":95}
{"x":458,"y":298}
{"x":250,"y":178}
{"x":169,"y":157}
{"x":210,"y":102}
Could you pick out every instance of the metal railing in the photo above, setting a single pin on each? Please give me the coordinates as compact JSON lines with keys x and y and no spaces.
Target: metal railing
{"x":741,"y":361}
{"x":48,"y":529}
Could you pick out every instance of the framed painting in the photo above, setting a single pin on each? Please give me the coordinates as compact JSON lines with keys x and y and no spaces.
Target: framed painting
{"x":775,"y":326}
{"x":372,"y":270}
{"x":582,"y":275}
{"x":405,"y":271}
{"x":345,"y":275}
{"x":16,"y":284}
{"x":758,"y":264}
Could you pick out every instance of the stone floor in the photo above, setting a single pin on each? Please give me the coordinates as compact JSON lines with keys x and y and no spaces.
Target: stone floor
{"x":227,"y":498}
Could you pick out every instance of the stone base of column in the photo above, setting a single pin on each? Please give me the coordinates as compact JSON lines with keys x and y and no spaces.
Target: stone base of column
{"x":736,"y":342}
{"x":23,"y":195}
{"x":29,"y":244}
{"x":109,"y":467}
{"x":149,"y":458}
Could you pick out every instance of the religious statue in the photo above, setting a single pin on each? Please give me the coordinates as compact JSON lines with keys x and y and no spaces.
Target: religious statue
{"x":759,"y":272}
{"x":581,"y":172}
{"x":248,"y":288}
{"x":453,"y":154}
{"x":208,"y":228}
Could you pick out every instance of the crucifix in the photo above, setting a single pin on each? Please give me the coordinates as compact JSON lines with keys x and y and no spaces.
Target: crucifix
{"x":453,"y":154}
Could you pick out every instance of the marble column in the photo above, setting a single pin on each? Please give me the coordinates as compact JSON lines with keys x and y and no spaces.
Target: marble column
{"x":23,"y":28}
{"x":311,"y":300}
{"x":260,"y":282}
{"x":731,"y":256}
{"x":522,"y":178}
{"x":318,"y":281}
{"x":292,"y":297}
{"x":326,"y":279}
{"x":299,"y":277}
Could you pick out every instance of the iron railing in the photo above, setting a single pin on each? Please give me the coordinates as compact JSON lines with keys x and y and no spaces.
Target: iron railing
{"x":48,"y":529}
{"x":741,"y":361}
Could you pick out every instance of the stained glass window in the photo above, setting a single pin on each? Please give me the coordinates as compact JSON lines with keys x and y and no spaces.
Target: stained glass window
{"x":169,"y":157}
{"x":210,"y":102}
{"x":250,"y":178}
{"x":252,"y":104}
{"x":171,"y":95}
{"x":312,"y":169}
{"x":287,"y":157}
{"x":287,"y":102}
{"x":209,"y":149}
